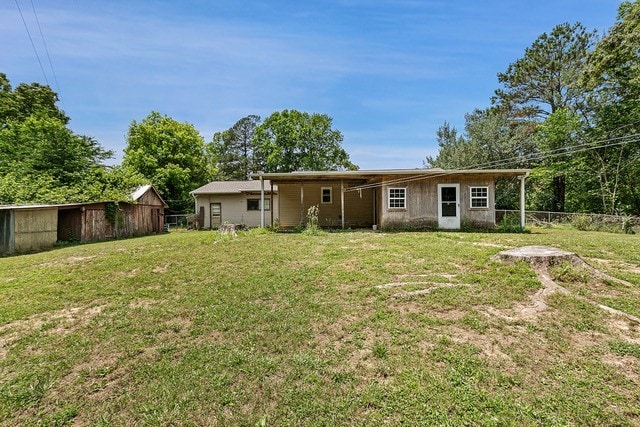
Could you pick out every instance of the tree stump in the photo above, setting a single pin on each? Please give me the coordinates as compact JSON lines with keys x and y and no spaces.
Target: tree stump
{"x":541,"y":258}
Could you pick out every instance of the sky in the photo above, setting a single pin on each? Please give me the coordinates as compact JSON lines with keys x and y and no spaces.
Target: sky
{"x":389,"y":73}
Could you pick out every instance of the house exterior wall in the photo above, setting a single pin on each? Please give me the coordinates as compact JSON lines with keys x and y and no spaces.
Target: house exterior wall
{"x":35,"y":229}
{"x":421,"y":208}
{"x":358,"y":206}
{"x":234,"y":208}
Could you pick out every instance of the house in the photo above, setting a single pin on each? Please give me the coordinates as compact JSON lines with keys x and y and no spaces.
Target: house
{"x":236,"y":202}
{"x":36,"y":227}
{"x":406,"y":198}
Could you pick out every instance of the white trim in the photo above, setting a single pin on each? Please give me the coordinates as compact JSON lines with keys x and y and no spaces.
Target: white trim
{"x":322,"y":195}
{"x":449,"y":222}
{"x":397,"y":198}
{"x":477,"y":198}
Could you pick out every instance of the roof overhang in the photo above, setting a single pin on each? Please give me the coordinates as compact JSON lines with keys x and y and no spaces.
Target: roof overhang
{"x":378,"y":174}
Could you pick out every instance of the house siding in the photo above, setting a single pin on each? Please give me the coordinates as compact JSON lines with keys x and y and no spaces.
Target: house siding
{"x":421,"y":210}
{"x":358,"y":205}
{"x":234,"y":208}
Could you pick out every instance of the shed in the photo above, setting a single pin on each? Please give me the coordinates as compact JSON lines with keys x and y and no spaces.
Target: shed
{"x":36,"y":227}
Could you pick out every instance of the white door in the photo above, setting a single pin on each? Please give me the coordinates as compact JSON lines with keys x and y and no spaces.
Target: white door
{"x":449,"y":206}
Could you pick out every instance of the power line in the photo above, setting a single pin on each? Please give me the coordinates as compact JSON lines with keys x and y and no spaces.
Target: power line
{"x":46,"y":49}
{"x":506,"y":162}
{"x":32,"y":44}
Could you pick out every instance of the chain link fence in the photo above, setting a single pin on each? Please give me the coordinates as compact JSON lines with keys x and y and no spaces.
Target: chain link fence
{"x":581,"y":221}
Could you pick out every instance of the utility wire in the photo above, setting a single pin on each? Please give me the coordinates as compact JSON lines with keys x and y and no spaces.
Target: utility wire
{"x":32,"y":44}
{"x":505,"y":162}
{"x":46,"y":49}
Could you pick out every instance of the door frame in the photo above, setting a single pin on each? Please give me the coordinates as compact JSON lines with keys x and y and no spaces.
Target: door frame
{"x":449,"y":222}
{"x":211,"y":225}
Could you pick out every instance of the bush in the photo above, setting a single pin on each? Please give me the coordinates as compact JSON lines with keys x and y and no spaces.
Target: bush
{"x":510,"y":223}
{"x":581,"y":222}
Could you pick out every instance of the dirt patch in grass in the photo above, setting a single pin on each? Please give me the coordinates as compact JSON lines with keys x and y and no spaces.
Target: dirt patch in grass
{"x":161,"y":268}
{"x":72,"y":260}
{"x":491,"y":345}
{"x":64,"y":321}
{"x":629,"y":366}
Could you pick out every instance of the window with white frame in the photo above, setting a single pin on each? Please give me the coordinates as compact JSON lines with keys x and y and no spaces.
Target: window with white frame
{"x":479,"y":197}
{"x":254,"y":204}
{"x":397,"y":198}
{"x":325,"y":195}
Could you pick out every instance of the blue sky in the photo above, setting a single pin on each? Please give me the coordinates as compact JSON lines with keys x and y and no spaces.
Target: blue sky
{"x":388,"y":72}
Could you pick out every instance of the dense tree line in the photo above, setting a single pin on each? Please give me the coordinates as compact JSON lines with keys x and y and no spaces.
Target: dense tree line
{"x":43,"y":161}
{"x":569,"y":110}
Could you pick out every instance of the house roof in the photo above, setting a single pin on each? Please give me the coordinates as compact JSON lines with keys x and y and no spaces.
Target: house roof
{"x":232,"y":187}
{"x":142,"y":190}
{"x":371,"y":174}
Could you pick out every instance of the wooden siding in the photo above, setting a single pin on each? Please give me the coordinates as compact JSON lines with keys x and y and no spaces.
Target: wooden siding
{"x":234,"y":208}
{"x":422,"y":203}
{"x":358,"y":206}
{"x":150,"y":198}
{"x":35,"y":229}
{"x":131,"y":220}
{"x":6,"y":232}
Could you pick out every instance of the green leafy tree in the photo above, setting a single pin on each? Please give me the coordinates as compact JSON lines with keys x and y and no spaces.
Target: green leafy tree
{"x":26,"y":100}
{"x":611,"y":75}
{"x":233,"y":150}
{"x":544,"y":81}
{"x":170,"y":154}
{"x":291,"y":140}
{"x":545,"y":78}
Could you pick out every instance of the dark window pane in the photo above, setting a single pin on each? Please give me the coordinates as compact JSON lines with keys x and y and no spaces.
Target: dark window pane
{"x":448,"y":194}
{"x":448,"y":209}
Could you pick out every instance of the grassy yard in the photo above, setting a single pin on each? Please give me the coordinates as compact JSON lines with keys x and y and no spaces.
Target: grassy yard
{"x":190,"y":328}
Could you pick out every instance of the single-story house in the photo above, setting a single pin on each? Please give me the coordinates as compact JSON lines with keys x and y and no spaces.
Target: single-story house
{"x":36,"y":227}
{"x":416,"y":198}
{"x":237,"y":202}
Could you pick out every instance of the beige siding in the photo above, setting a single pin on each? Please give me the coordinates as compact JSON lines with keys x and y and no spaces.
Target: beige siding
{"x":35,"y":229}
{"x":422,"y":203}
{"x":358,"y":206}
{"x":234,"y":208}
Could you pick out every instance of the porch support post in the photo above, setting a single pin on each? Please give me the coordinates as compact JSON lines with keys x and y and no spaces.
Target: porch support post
{"x":261,"y":202}
{"x":522,"y":211}
{"x":342,"y":201}
{"x":271,"y":203}
{"x":301,"y":203}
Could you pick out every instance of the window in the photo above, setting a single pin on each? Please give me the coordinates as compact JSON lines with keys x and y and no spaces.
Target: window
{"x":254,"y":204}
{"x":325,"y":193}
{"x":397,"y":198}
{"x":479,"y":197}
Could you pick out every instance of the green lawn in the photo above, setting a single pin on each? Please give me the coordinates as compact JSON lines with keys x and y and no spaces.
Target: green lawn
{"x":194,"y":328}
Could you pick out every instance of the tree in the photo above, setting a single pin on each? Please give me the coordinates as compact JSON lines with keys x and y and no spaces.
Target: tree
{"x":233,"y":150}
{"x":290,"y":140}
{"x":41,"y":159}
{"x":169,"y":154}
{"x":26,"y":100}
{"x":611,"y":75}
{"x":544,"y":79}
